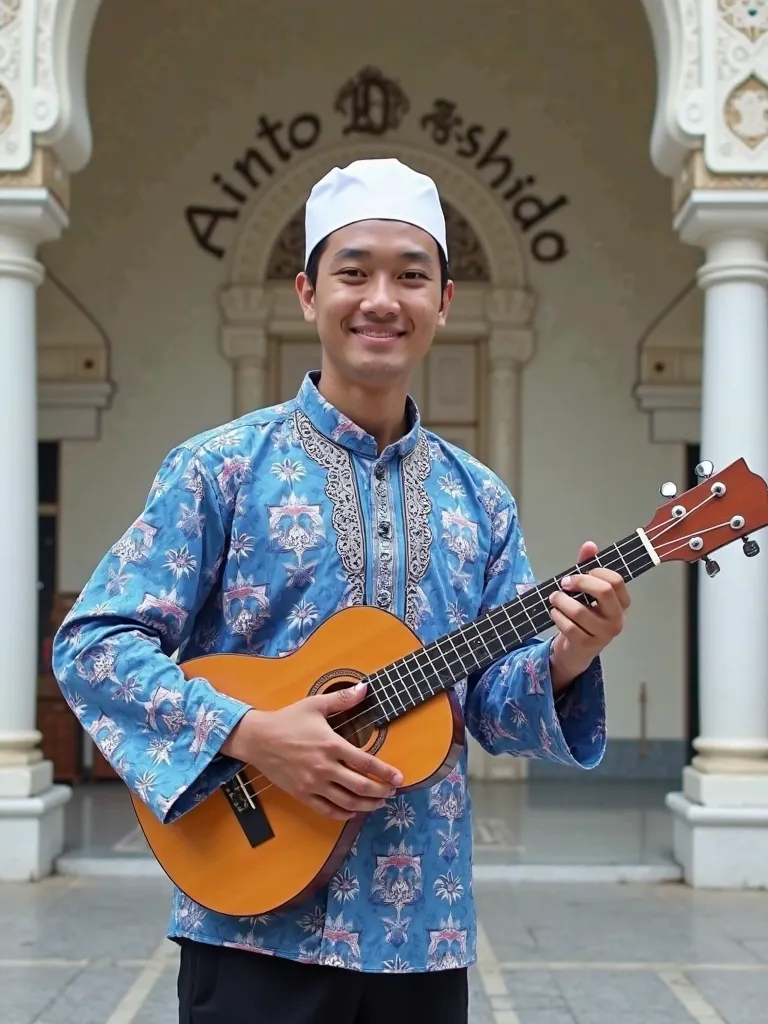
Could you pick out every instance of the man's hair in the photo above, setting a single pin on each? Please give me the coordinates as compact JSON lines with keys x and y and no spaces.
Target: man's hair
{"x":314,"y":261}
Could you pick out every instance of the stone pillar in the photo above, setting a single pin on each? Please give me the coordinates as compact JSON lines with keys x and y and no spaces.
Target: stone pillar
{"x":709,"y":136}
{"x":510,"y":346}
{"x":244,"y":342}
{"x":721,"y":817}
{"x":31,"y":807}
{"x":44,"y":137}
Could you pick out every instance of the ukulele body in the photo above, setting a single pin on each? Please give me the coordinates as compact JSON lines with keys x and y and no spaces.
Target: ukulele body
{"x":249,"y":851}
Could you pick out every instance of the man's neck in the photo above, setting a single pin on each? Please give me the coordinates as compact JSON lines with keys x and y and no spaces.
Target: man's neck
{"x":381,"y":413}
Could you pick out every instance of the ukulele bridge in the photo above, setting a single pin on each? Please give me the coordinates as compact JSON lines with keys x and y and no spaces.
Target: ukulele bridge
{"x":248,"y":811}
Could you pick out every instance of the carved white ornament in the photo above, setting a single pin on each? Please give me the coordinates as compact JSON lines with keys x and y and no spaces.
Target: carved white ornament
{"x":747,"y":16}
{"x":43,"y":54}
{"x":712,"y":63}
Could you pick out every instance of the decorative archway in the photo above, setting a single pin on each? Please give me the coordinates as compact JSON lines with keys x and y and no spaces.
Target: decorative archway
{"x":469,"y":261}
{"x":493,"y":307}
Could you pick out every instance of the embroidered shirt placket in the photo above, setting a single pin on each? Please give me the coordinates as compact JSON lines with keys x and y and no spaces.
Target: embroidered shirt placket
{"x":383,"y":538}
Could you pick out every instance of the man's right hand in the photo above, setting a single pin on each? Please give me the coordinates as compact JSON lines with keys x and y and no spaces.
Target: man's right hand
{"x":297,"y":750}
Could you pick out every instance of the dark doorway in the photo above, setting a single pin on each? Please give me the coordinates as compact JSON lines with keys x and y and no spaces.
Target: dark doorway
{"x":47,"y":521}
{"x":692,"y":459}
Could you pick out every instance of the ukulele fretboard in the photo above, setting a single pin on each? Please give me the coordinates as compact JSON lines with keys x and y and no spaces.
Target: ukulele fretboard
{"x":470,"y":648}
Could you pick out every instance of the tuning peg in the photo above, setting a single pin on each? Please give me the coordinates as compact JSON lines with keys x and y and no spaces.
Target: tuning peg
{"x":668,"y":490}
{"x":711,"y":566}
{"x":704,"y":470}
{"x":751,"y":547}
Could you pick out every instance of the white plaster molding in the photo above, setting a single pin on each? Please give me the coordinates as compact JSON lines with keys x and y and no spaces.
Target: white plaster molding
{"x":674,"y":411}
{"x":712,"y":72}
{"x":275,"y":204}
{"x":512,"y":339}
{"x":28,"y":216}
{"x":709,"y":214}
{"x":70,"y":410}
{"x":675,"y":28}
{"x":73,"y":383}
{"x":43,"y":61}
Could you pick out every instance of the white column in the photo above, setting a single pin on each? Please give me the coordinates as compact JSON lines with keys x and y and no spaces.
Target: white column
{"x":251,"y":383}
{"x":31,"y":808}
{"x":509,"y":350}
{"x":510,"y":346}
{"x":721,"y":817}
{"x":244,"y":342}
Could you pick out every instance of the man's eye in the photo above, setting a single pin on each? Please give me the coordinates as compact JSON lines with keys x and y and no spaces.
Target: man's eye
{"x":415,"y":274}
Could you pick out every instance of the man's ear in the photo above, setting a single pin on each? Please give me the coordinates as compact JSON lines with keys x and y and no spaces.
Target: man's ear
{"x":442,"y":316}
{"x":306,"y":294}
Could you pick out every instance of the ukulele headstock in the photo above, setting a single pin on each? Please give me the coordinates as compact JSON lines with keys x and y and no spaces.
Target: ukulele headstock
{"x":724,"y":507}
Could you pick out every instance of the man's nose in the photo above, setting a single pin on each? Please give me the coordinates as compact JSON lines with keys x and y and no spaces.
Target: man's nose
{"x":380,"y":297}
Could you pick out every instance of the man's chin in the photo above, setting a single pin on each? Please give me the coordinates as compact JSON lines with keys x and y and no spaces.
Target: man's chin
{"x":377,"y":368}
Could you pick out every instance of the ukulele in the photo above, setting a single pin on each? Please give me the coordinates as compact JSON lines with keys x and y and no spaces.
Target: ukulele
{"x":250,"y":847}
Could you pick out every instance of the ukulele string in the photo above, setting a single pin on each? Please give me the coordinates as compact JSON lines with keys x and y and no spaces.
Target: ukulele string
{"x":637,"y":549}
{"x":501,"y":633}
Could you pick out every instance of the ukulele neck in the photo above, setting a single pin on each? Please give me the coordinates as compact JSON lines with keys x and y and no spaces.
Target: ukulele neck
{"x":413,"y":679}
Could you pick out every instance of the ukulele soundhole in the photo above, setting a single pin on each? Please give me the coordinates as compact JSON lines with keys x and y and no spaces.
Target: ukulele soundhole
{"x":358,"y":725}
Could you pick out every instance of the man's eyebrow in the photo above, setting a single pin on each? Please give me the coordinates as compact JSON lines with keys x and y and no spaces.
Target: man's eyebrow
{"x":411,"y":255}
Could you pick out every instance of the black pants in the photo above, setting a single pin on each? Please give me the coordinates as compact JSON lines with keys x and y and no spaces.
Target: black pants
{"x":218,"y":985}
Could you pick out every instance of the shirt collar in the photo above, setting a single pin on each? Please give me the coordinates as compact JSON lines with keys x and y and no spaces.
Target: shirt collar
{"x":339,"y":428}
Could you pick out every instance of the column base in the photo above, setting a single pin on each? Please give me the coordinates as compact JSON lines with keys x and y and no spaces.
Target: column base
{"x":720,"y":830}
{"x":31,"y":822}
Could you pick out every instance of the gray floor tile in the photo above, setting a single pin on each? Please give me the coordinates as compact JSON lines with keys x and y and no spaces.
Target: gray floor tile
{"x":162,"y":1005}
{"x":545,"y":1016}
{"x":27,"y":992}
{"x":91,"y":996}
{"x":739,"y":999}
{"x":534,"y":990}
{"x":127,"y":916}
{"x":616,"y":992}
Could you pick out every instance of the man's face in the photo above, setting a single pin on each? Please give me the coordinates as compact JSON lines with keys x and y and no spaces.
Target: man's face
{"x":378,"y":300}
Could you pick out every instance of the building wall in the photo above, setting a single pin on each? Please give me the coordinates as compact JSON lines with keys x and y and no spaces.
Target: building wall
{"x":175,"y":92}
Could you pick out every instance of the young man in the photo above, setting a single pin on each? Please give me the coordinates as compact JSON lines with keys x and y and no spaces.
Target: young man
{"x":253,"y":533}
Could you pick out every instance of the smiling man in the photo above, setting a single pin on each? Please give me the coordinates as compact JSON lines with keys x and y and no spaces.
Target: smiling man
{"x":255,"y":532}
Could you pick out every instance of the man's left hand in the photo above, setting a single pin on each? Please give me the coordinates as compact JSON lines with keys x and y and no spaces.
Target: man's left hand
{"x":585,"y":632}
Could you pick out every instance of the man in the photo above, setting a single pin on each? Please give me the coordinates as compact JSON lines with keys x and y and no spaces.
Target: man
{"x":253,"y":533}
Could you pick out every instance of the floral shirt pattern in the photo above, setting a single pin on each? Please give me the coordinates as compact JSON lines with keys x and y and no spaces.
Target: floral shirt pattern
{"x":251,"y":535}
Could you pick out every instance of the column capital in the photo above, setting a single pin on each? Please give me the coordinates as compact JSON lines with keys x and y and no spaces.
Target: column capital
{"x":244,"y":344}
{"x":28,"y":216}
{"x":709,"y":215}
{"x":510,"y":307}
{"x":43,"y":56}
{"x":246,"y":304}
{"x":510,"y":347}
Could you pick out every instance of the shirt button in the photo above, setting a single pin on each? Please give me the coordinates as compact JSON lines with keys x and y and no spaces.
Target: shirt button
{"x":379,"y":471}
{"x":382,"y":598}
{"x":385,"y":529}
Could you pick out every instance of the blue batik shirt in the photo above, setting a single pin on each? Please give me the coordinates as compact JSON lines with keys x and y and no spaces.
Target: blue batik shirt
{"x":252,"y":534}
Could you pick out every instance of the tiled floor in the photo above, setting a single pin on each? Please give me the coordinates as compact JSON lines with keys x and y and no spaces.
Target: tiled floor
{"x":91,"y":951}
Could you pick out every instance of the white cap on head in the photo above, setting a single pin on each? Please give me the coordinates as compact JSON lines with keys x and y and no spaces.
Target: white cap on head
{"x":384,"y":189}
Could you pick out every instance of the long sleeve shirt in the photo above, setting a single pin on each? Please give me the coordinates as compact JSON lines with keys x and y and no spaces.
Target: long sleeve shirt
{"x":251,"y":535}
